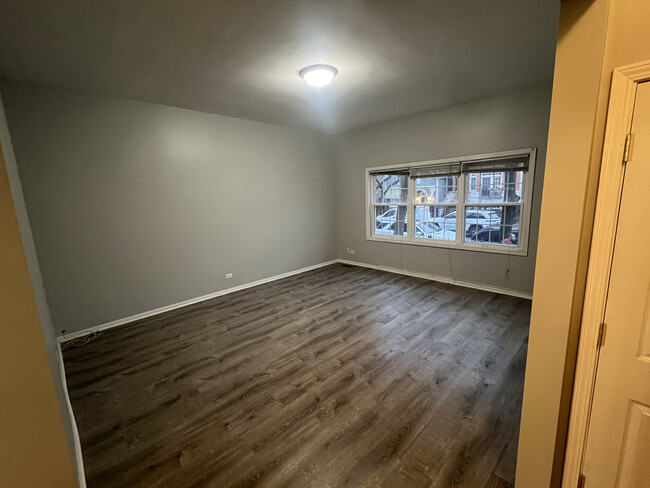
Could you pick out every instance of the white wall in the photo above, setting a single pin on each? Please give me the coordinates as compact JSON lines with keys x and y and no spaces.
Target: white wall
{"x":511,"y":121}
{"x":135,"y":206}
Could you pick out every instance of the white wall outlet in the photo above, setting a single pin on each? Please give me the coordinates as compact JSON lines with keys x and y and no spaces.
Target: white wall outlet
{"x":347,"y":250}
{"x":352,"y":251}
{"x":228,"y":276}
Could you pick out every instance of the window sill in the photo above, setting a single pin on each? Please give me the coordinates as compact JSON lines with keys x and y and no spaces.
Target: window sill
{"x":465,"y":246}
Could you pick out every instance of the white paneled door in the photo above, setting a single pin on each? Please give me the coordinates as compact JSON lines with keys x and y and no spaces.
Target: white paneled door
{"x":617,"y":452}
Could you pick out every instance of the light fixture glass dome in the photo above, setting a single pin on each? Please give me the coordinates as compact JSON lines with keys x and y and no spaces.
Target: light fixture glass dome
{"x":318,"y":74}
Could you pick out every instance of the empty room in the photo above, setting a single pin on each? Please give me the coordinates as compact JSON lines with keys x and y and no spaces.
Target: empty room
{"x":324,"y":244}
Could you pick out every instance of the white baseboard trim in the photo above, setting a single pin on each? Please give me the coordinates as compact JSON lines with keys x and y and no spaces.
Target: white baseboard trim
{"x":441,"y":279}
{"x":167,"y":308}
{"x":81,"y":472}
{"x":390,"y":269}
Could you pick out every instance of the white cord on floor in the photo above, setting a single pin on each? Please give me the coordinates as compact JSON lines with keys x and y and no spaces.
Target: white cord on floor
{"x":451,"y":266}
{"x":82,"y":341}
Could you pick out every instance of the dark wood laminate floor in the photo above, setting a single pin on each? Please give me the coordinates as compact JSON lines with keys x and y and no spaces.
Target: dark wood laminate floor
{"x":341,"y":376}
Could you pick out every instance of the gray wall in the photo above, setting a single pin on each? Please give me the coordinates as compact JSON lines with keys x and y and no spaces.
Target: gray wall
{"x":512,"y":121}
{"x":135,"y":206}
{"x":49,"y":335}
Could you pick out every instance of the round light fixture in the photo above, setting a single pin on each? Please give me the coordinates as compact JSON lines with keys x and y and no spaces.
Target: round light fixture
{"x":318,"y":74}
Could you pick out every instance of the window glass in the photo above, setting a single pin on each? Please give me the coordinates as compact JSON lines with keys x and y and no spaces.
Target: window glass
{"x":391,"y":188}
{"x":503,"y":187}
{"x":387,"y":216}
{"x":495,"y":224}
{"x":431,"y":222}
{"x":436,"y":190}
{"x":435,"y":208}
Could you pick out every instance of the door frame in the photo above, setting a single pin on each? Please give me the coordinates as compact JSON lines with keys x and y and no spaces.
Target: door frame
{"x":619,"y":121}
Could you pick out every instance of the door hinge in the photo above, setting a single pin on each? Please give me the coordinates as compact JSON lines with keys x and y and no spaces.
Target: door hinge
{"x":581,"y":481}
{"x":601,"y":335}
{"x":626,"y":149}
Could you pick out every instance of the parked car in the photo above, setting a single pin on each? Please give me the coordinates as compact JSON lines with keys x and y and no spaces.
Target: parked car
{"x":389,"y":230}
{"x":426,"y":230}
{"x":432,"y":230}
{"x":387,"y":217}
{"x":474,"y":221}
{"x":390,"y":216}
{"x":494,"y":235}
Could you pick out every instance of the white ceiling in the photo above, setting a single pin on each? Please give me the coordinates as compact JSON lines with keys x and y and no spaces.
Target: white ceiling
{"x":241,"y":57}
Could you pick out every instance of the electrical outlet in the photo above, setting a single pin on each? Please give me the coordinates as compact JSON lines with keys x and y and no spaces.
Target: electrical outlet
{"x":228,"y":276}
{"x":347,"y":250}
{"x":352,"y":251}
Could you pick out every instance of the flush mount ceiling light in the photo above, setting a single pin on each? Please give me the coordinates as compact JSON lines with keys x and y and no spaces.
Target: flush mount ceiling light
{"x":318,"y":74}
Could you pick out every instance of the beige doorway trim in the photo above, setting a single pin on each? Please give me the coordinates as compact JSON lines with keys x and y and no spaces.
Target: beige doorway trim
{"x":619,"y":120}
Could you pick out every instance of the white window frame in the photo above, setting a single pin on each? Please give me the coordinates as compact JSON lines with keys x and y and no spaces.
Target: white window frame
{"x":521,"y":249}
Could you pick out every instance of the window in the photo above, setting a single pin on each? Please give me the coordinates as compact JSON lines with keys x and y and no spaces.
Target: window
{"x":479,"y":202}
{"x":390,"y":199}
{"x":435,"y":207}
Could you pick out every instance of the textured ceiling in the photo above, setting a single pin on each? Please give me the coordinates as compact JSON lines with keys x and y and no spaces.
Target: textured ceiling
{"x":241,"y":57}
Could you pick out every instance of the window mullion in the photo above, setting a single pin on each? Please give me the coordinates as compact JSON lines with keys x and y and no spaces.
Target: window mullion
{"x":460,"y":210}
{"x":370,"y":202}
{"x":410,"y":209}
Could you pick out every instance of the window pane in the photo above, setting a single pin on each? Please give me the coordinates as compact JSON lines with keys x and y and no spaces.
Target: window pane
{"x":434,"y":222}
{"x":494,"y":224}
{"x":472,"y":182}
{"x":391,"y":189}
{"x":498,"y":235}
{"x":505,"y":186}
{"x":390,"y":220}
{"x":441,"y":189}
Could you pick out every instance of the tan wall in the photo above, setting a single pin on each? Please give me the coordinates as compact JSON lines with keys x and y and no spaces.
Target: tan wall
{"x":628,"y":38}
{"x":33,"y":448}
{"x":595,"y":37}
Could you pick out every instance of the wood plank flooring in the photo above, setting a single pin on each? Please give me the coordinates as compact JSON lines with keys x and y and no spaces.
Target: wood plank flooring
{"x":338,"y":377}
